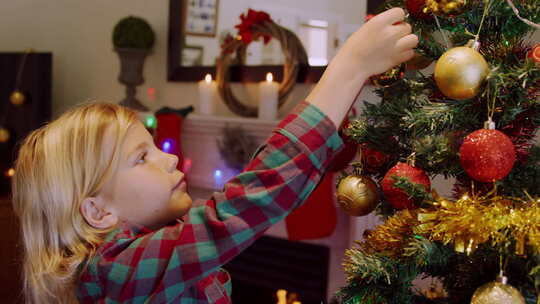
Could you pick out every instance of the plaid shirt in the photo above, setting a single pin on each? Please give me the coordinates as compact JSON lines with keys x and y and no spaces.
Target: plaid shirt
{"x":181,"y":263}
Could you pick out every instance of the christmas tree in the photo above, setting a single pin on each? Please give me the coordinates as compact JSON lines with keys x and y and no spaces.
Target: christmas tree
{"x":472,"y":119}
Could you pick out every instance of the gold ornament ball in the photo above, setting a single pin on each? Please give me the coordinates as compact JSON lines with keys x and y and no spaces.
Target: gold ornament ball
{"x":497,"y":293}
{"x":357,"y":195}
{"x":4,"y":135}
{"x":460,"y":72}
{"x":17,"y":98}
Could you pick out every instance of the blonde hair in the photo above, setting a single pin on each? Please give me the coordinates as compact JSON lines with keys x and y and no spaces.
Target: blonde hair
{"x":58,"y":166}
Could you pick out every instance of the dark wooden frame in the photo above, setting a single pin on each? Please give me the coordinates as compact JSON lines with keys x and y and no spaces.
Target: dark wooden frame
{"x":179,"y":73}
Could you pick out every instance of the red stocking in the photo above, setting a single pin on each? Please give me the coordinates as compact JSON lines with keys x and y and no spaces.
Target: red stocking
{"x":316,"y":218}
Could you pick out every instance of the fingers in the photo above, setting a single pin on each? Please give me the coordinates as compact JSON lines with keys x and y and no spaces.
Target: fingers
{"x":404,"y":47}
{"x":402,"y":29}
{"x":407,"y":43}
{"x":391,"y":16}
{"x":405,"y":56}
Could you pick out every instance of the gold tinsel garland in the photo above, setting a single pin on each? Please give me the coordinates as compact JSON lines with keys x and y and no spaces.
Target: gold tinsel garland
{"x":391,"y":238}
{"x":474,"y":220}
{"x":465,"y":223}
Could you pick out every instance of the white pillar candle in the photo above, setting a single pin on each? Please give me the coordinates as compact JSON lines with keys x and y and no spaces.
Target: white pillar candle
{"x":207,"y":95}
{"x":268,"y":98}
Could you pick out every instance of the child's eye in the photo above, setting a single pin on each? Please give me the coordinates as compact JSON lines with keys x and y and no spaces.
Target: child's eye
{"x":141,"y":158}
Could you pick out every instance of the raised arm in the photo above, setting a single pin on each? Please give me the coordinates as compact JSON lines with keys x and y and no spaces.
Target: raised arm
{"x":380,"y":44}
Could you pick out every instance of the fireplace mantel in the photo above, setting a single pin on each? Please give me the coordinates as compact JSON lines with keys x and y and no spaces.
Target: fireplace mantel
{"x":203,"y":124}
{"x":199,"y":144}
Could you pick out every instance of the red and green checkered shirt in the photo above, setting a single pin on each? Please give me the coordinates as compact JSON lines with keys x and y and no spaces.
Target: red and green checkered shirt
{"x":181,"y":263}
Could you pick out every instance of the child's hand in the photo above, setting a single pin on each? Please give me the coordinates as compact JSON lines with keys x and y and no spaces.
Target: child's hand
{"x":380,"y":44}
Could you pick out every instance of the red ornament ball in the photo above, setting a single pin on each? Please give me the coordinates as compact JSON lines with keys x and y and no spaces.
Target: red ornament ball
{"x":534,"y":54}
{"x":487,"y":155}
{"x":416,"y":9}
{"x":372,"y":159}
{"x":396,"y":196}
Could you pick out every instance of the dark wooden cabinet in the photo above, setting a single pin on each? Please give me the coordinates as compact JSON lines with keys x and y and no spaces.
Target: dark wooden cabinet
{"x":10,"y":255}
{"x":30,"y":73}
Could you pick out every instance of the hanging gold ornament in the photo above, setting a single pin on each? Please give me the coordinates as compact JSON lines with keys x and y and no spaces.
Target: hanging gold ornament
{"x":445,"y":8}
{"x":460,"y":72}
{"x":357,"y":195}
{"x":498,"y":292}
{"x":4,"y":135}
{"x":17,"y":98}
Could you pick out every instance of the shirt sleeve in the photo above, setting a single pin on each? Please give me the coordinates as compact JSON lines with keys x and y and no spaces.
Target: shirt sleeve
{"x":283,"y":173}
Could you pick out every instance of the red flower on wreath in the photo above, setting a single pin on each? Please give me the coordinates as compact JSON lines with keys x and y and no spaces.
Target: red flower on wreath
{"x":248,"y":21}
{"x":226,"y":46}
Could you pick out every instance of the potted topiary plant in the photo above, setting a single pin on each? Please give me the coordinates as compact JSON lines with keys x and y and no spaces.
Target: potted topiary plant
{"x":133,"y":38}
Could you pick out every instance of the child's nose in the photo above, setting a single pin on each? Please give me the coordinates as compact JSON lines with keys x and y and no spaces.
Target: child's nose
{"x":172,"y":162}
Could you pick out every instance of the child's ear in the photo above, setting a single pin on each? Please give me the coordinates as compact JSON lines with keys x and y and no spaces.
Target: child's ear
{"x":93,"y":211}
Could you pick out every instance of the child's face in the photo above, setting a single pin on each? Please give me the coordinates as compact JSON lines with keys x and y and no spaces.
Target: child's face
{"x":146,"y":189}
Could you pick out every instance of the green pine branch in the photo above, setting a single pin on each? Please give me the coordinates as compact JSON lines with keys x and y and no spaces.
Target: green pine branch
{"x":367,"y":268}
{"x":416,"y":192}
{"x":523,"y":177}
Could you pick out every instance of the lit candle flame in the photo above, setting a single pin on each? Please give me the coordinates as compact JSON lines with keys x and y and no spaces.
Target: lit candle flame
{"x":208,"y":78}
{"x":269,"y":77}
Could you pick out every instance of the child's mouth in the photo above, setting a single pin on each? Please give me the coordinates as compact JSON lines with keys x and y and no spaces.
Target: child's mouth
{"x":180,"y":185}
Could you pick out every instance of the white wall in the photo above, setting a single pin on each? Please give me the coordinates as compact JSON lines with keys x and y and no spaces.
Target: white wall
{"x":536,"y":37}
{"x":78,"y":33}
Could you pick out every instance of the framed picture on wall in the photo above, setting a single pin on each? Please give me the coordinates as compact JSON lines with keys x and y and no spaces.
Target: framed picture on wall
{"x":201,"y":17}
{"x":192,"y":55}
